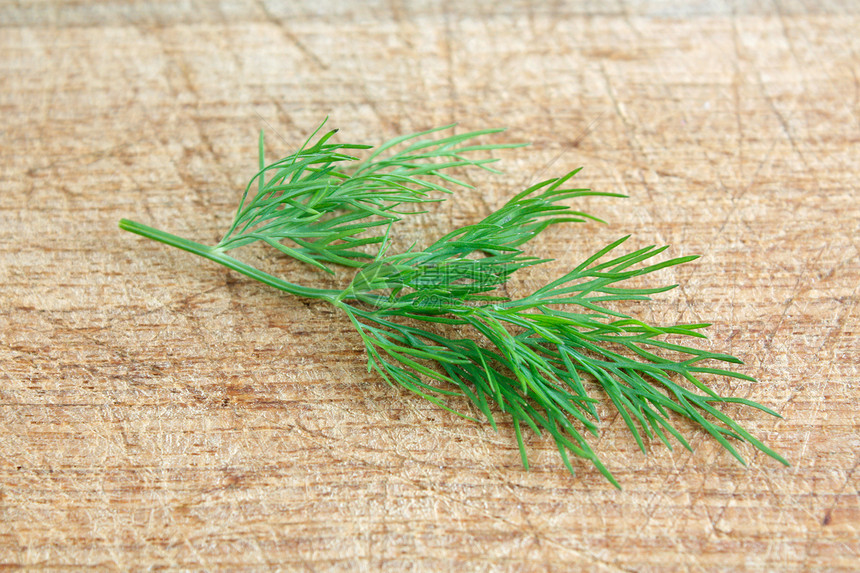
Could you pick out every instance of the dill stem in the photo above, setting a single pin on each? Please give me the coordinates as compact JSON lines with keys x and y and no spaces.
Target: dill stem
{"x":215,"y":254}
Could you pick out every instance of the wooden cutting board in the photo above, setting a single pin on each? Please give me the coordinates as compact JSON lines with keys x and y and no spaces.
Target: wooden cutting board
{"x":158,"y":411}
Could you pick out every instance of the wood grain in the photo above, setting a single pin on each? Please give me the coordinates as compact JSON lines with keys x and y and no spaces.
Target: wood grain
{"x":159,"y":412}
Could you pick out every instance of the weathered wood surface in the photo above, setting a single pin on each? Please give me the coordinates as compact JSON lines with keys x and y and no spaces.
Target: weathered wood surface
{"x":159,"y":411}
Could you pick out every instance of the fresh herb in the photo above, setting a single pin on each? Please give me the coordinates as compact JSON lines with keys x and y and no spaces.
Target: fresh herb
{"x":528,"y":356}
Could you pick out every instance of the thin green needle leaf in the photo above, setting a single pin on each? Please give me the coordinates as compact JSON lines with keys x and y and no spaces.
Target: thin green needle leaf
{"x":522,"y":446}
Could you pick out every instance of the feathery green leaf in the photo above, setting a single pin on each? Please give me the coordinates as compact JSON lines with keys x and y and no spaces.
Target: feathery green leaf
{"x":528,"y":357}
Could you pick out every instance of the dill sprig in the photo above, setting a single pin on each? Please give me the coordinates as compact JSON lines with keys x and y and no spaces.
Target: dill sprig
{"x":312,"y":201}
{"x":526,"y":357}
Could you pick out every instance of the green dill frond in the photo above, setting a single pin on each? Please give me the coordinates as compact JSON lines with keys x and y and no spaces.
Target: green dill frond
{"x":318,"y":204}
{"x":526,"y":358}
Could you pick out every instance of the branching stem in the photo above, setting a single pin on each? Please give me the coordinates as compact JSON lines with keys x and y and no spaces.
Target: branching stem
{"x":214,"y":254}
